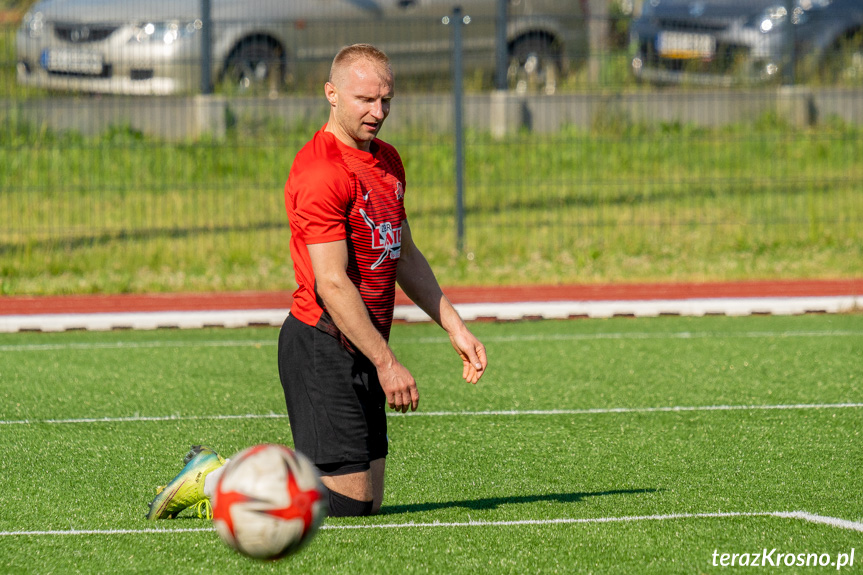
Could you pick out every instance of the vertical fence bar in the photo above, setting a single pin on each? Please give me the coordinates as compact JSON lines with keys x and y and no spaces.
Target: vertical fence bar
{"x":790,"y":56}
{"x":458,"y":107}
{"x":501,"y":52}
{"x":206,"y":48}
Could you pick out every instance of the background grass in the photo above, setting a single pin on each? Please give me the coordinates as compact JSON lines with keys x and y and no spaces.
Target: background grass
{"x":618,"y":202}
{"x":456,"y":467}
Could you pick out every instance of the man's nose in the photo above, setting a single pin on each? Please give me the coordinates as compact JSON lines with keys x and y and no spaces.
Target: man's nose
{"x":378,"y":110}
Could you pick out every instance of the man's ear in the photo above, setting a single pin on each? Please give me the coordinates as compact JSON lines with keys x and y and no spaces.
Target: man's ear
{"x":331,"y":94}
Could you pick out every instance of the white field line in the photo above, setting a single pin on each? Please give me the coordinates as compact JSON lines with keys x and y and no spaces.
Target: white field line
{"x":122,"y":345}
{"x":137,"y":418}
{"x":134,"y":345}
{"x":604,"y":410}
{"x":507,"y":412}
{"x":797,"y":515}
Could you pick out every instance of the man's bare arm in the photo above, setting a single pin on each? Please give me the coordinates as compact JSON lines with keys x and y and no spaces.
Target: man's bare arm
{"x":418,"y":281}
{"x":346,"y":307}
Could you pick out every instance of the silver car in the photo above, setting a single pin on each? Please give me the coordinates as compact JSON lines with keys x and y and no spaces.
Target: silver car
{"x":155,"y":46}
{"x":748,"y":41}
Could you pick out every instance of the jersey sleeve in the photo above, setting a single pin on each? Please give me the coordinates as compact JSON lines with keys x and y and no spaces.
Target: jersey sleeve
{"x":319,"y":197}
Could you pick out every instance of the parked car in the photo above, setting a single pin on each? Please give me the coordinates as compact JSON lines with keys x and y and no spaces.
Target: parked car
{"x":733,"y":41}
{"x":155,"y":47}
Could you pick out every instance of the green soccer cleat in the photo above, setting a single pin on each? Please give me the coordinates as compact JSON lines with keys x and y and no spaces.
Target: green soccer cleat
{"x":187,"y":488}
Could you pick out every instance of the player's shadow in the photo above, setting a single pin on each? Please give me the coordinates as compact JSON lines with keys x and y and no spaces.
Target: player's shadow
{"x":494,"y":502}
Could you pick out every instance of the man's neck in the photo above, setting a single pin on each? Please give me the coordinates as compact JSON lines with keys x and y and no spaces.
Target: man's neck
{"x":347,"y":140}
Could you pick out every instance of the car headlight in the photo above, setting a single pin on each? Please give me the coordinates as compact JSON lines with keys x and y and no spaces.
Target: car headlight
{"x":777,"y":15}
{"x":772,"y":18}
{"x":164,"y":32}
{"x":33,"y":23}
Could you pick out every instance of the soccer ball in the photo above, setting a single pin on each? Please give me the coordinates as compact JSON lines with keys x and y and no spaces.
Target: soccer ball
{"x":268,"y":502}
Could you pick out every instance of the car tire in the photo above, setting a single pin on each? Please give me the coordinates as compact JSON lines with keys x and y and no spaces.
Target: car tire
{"x":534,"y":64}
{"x":256,"y":66}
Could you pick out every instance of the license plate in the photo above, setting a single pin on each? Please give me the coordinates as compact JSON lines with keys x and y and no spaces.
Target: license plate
{"x":72,"y":61}
{"x":685,"y":46}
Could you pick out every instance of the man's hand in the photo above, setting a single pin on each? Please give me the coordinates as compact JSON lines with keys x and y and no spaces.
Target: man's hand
{"x":472,"y":353}
{"x":418,"y":282}
{"x":347,"y":309}
{"x":399,"y":386}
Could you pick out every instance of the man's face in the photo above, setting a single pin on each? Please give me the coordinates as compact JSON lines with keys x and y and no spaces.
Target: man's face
{"x":360,"y":98}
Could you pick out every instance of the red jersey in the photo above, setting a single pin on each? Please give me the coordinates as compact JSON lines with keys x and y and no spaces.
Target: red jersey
{"x":336,"y":192}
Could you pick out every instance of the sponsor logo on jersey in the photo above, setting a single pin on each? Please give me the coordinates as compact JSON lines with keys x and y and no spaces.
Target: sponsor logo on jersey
{"x":384,"y":237}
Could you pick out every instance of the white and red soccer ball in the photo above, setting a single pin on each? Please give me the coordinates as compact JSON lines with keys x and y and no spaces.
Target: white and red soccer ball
{"x":268,"y":502}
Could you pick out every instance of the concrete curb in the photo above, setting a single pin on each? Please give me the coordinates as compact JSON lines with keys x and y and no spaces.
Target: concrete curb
{"x":196,"y":319}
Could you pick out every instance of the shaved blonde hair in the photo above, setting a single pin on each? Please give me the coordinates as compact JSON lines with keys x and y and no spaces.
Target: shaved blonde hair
{"x":350,"y":55}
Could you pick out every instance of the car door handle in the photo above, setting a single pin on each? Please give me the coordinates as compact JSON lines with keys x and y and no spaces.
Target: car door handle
{"x":406,"y":3}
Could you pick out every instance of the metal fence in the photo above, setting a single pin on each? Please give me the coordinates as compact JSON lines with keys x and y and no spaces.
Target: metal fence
{"x":592,"y":176}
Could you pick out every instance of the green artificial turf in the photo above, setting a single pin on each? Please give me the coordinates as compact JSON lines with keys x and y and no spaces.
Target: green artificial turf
{"x":591,"y":446}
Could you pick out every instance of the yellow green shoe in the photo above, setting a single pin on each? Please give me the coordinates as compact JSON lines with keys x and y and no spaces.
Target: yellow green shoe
{"x":187,"y":488}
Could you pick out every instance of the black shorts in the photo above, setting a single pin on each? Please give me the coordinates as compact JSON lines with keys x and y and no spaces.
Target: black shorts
{"x":336,"y":406}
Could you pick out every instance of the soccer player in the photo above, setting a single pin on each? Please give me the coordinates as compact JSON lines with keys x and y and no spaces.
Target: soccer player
{"x":350,"y":245}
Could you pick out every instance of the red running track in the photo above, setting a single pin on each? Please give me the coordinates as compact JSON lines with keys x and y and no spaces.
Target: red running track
{"x":26,"y":305}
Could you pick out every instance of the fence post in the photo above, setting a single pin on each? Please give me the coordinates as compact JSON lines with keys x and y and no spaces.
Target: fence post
{"x":598,"y":31}
{"x":458,"y":107}
{"x":501,"y":52}
{"x":206,"y":48}
{"x":788,"y":75}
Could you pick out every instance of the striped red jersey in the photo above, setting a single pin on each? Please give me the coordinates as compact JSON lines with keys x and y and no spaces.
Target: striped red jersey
{"x":335,"y":192}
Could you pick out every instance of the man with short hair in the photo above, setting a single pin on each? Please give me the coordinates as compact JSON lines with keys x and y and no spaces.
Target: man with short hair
{"x":350,"y":245}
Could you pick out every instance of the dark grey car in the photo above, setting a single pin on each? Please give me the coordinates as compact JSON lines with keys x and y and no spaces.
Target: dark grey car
{"x":154,"y":46}
{"x":733,"y":41}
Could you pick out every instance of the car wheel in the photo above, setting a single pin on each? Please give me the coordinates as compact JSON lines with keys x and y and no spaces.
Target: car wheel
{"x":256,"y":66}
{"x":843,"y":63}
{"x":534,"y":65}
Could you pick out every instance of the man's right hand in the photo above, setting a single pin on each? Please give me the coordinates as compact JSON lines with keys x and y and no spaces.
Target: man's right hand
{"x":346,"y":307}
{"x":399,"y":386}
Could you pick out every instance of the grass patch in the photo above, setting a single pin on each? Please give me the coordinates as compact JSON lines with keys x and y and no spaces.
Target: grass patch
{"x":618,"y":202}
{"x":455,"y":467}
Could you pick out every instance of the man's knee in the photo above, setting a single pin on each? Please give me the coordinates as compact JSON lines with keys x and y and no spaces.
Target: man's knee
{"x":355,"y":489}
{"x":344,"y":506}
